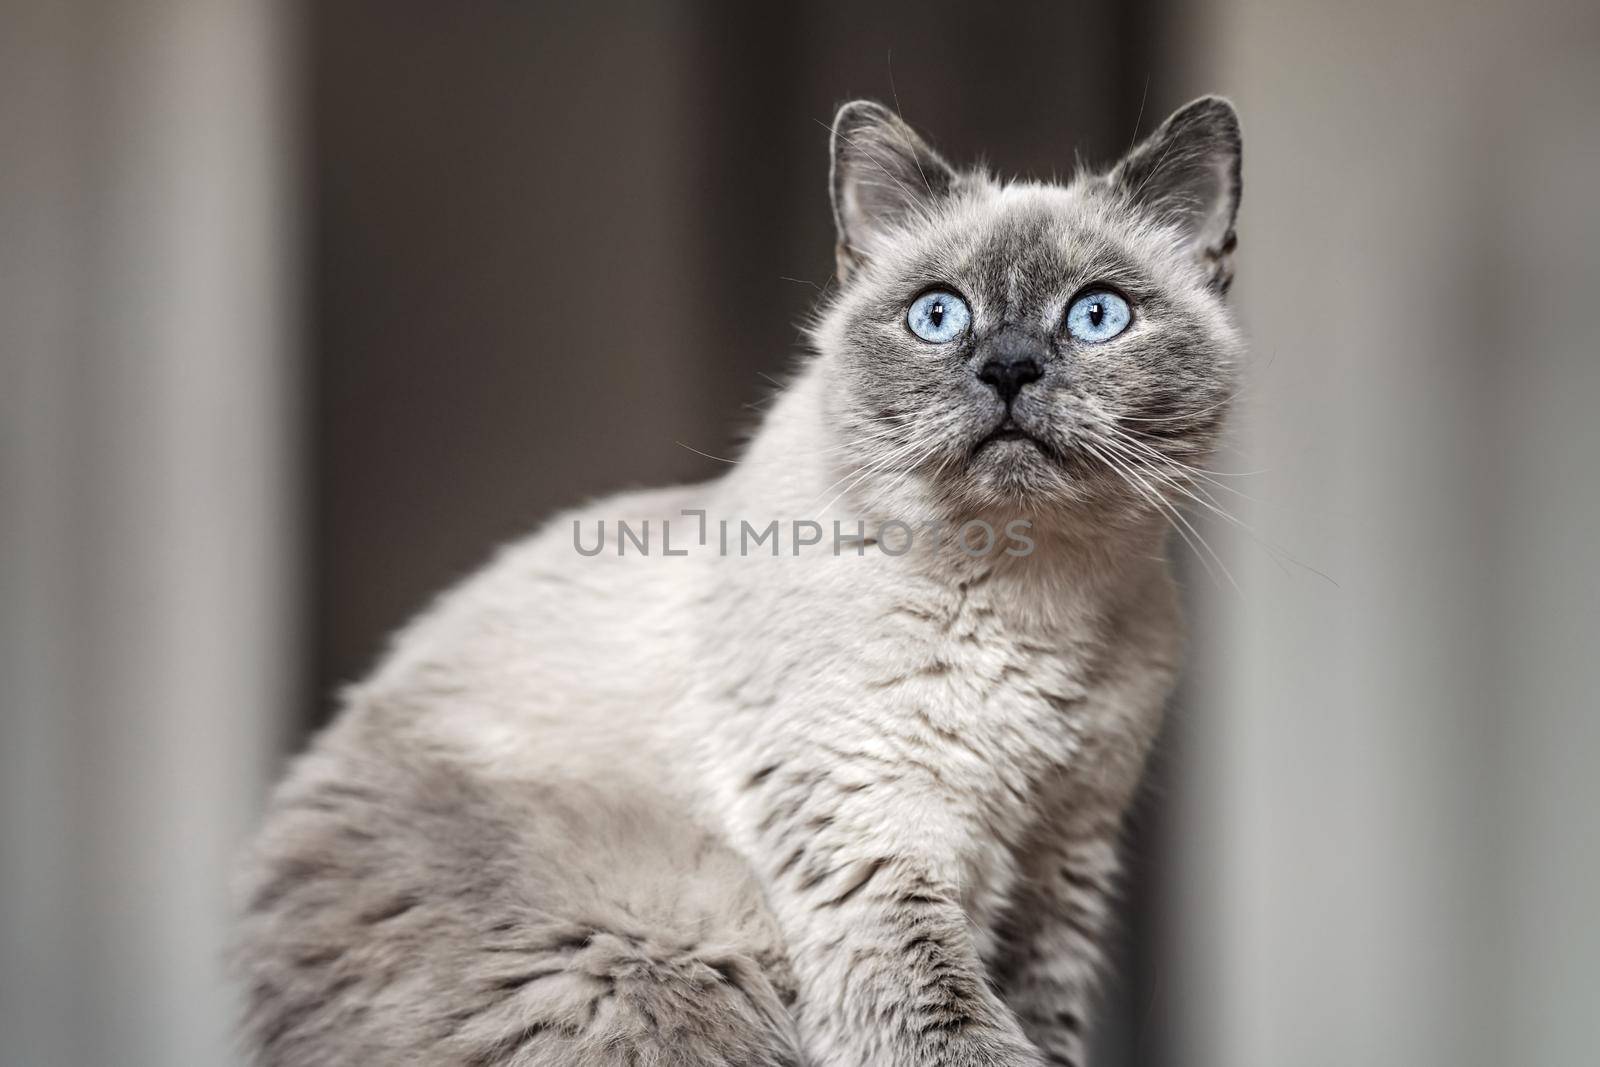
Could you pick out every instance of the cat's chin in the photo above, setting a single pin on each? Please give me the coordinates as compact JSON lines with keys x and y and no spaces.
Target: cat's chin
{"x":1017,"y":468}
{"x":1013,"y":450}
{"x":1036,"y":475}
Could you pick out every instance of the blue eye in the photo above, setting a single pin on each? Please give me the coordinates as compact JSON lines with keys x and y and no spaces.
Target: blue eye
{"x":1098,"y":316}
{"x":938,"y":316}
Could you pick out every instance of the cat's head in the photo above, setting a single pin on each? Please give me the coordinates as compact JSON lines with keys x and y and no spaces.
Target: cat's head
{"x":1028,"y":348}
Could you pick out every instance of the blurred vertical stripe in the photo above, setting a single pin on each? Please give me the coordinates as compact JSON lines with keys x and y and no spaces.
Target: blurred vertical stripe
{"x":1386,"y":841}
{"x":149,"y":509}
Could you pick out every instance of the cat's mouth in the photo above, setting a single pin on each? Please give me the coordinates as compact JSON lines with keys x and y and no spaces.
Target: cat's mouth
{"x":1008,"y":431}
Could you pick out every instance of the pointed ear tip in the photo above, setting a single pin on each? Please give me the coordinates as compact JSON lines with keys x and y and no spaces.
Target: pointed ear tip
{"x":1211,"y":108}
{"x":1213,"y":101}
{"x":860,"y":112}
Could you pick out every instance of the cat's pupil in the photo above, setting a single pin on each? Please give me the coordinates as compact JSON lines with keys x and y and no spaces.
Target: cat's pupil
{"x":1097,"y":311}
{"x":936,"y":314}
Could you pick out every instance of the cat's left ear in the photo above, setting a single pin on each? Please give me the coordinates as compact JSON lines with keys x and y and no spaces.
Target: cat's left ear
{"x":882,"y":173}
{"x":1187,"y":173}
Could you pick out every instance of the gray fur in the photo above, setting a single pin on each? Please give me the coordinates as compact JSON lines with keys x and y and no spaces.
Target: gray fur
{"x":805,"y":808}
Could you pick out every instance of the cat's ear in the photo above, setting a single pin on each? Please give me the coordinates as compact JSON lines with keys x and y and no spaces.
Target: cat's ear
{"x":1187,"y":173}
{"x":882,"y":172}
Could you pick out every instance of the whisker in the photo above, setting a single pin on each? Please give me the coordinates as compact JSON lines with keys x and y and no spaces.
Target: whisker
{"x":896,"y":94}
{"x":708,"y":455}
{"x":1178,"y":515}
{"x":876,"y":464}
{"x":1188,"y":491}
{"x":1224,"y":402}
{"x":1204,"y":473}
{"x":883,"y":464}
{"x":1279,"y":555}
{"x":1154,"y":502}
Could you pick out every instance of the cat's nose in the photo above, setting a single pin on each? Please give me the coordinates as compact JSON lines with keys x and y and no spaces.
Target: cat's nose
{"x":1013,"y":363}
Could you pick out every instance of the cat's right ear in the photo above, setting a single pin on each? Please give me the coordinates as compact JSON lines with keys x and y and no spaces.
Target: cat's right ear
{"x":1187,"y":174}
{"x":882,"y":172}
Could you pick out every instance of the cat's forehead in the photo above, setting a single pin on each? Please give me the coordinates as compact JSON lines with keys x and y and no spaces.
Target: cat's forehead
{"x":1020,"y":238}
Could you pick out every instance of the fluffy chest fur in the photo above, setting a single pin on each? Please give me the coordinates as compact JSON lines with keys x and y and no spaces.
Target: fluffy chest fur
{"x":999,"y":712}
{"x":964,"y":712}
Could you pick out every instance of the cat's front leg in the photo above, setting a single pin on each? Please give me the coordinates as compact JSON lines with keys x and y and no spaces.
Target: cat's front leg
{"x":893,"y":978}
{"x":863,"y":881}
{"x":1053,"y":944}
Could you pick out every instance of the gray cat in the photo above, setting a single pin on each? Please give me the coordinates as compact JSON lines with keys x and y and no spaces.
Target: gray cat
{"x":822,"y":762}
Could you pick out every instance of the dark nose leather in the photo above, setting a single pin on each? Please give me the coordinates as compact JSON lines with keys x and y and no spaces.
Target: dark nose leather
{"x":1013,"y":361}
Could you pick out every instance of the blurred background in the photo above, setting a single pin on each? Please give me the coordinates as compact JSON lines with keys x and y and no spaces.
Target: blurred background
{"x":305,"y":306}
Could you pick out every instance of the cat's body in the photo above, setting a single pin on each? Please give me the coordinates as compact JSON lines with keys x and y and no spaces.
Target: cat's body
{"x":734,"y":802}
